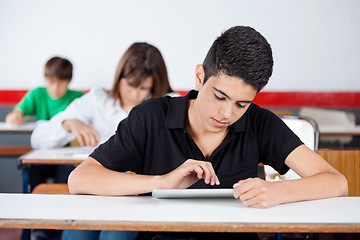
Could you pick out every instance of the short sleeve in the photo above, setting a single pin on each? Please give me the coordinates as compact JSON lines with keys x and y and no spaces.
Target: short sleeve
{"x":276,"y":140}
{"x":123,"y":151}
{"x":27,"y":103}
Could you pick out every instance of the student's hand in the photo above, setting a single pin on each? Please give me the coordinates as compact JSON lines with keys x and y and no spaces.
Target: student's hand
{"x":15,"y":117}
{"x":257,"y":193}
{"x":85,"y":134}
{"x":189,"y":173}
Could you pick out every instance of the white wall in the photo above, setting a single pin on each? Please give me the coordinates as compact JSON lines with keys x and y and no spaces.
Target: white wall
{"x":316,"y":44}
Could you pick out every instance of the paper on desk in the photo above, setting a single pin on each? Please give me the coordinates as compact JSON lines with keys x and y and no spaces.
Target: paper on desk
{"x":72,"y":153}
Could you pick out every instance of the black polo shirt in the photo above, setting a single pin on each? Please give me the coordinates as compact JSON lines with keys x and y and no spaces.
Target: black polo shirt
{"x":153,"y":140}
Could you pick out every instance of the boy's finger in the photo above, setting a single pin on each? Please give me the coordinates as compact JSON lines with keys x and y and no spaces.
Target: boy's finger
{"x":241,"y":182}
{"x":199,"y":171}
{"x":250,"y":202}
{"x":210,"y":173}
{"x":242,"y":188}
{"x":248,"y":195}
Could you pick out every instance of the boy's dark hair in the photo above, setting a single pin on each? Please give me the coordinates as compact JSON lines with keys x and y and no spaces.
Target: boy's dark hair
{"x":240,"y":52}
{"x":59,"y":67}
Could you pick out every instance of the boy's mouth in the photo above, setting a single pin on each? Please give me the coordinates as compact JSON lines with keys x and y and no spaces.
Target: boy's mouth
{"x":218,"y":123}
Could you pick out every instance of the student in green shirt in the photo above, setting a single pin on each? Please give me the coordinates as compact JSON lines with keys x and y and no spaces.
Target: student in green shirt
{"x":46,"y":102}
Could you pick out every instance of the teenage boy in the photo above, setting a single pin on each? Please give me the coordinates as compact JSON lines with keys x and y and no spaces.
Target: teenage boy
{"x":46,"y":102}
{"x":215,"y":134}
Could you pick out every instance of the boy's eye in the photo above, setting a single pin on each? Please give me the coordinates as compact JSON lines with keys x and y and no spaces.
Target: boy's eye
{"x":219,"y":98}
{"x":240,"y":106}
{"x":222,"y":99}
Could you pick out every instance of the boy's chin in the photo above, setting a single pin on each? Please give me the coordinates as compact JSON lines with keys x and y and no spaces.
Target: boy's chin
{"x":55,"y":97}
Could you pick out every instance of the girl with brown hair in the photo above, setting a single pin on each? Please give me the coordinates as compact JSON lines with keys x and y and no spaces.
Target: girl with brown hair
{"x":141,"y":73}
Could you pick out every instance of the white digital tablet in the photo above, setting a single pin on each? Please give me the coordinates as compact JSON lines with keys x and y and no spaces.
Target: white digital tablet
{"x":193,"y":193}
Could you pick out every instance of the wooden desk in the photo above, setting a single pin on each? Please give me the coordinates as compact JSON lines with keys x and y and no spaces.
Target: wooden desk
{"x":56,"y":156}
{"x":198,"y":215}
{"x":15,"y":150}
{"x":339,"y":131}
{"x":66,"y":155}
{"x":12,"y":150}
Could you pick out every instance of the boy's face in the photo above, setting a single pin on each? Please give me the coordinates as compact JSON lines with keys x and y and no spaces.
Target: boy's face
{"x":222,"y":100}
{"x":56,"y":87}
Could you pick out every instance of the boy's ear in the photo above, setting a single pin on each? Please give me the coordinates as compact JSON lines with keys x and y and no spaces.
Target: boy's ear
{"x":199,"y":76}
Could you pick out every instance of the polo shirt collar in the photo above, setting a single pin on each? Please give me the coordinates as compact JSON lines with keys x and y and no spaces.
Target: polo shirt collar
{"x":177,"y":113}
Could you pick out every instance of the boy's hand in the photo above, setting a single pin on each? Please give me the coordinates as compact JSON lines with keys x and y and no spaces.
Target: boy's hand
{"x":85,"y":134}
{"x":257,"y":193}
{"x":189,"y":173}
{"x":15,"y":117}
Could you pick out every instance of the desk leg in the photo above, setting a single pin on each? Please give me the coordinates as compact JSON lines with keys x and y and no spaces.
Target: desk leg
{"x":25,"y":180}
{"x":25,"y":171}
{"x":277,"y":236}
{"x":25,"y":234}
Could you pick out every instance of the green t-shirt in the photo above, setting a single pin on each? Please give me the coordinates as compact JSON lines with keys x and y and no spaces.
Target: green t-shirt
{"x":38,"y":102}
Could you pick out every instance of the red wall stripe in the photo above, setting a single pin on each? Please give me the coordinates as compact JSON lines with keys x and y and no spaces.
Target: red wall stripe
{"x":309,"y":99}
{"x":11,"y":97}
{"x":265,"y":99}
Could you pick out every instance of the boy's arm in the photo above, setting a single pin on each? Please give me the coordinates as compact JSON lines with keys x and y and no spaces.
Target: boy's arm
{"x":91,"y":177}
{"x":15,"y":117}
{"x":27,"y":103}
{"x":319,"y":180}
{"x":25,"y":107}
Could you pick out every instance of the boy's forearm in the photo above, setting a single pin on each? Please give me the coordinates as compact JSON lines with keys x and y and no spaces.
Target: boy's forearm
{"x":322,"y":185}
{"x":95,"y":179}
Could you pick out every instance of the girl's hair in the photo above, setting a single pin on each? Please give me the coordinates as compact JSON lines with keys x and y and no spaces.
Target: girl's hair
{"x":140,"y":61}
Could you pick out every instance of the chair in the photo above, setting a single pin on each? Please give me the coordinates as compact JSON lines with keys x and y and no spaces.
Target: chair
{"x":51,"y":188}
{"x":54,"y":188}
{"x":329,"y":117}
{"x":283,"y":112}
{"x":308,"y":132}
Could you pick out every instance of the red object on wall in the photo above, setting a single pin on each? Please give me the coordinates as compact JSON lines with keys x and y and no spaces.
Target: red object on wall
{"x":264,"y":99}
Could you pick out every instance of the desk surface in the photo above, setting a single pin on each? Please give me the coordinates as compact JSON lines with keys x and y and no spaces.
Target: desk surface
{"x":67,"y":155}
{"x":150,"y":214}
{"x":336,"y":130}
{"x":27,"y":127}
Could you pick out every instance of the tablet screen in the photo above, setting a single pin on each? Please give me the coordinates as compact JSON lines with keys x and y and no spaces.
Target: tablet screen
{"x":193,"y":193}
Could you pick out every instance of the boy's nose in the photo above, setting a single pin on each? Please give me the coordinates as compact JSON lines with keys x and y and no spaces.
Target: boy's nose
{"x":56,"y":89}
{"x":227,"y":111}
